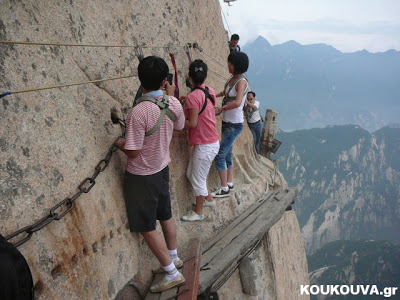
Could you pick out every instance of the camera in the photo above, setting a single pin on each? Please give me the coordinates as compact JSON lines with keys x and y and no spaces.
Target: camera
{"x":169,"y":78}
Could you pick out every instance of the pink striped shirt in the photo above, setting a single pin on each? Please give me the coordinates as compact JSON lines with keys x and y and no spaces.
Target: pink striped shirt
{"x":154,"y":155}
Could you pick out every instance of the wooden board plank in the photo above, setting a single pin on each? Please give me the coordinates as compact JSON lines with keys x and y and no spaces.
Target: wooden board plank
{"x":238,"y":220}
{"x":228,"y":256}
{"x":232,"y":234}
{"x":168,"y":293}
{"x":155,"y":296}
{"x":191,"y":271}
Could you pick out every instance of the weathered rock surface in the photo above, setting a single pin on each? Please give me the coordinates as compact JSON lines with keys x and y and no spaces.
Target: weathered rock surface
{"x":51,"y":140}
{"x":348,"y":180}
{"x":276,"y":268}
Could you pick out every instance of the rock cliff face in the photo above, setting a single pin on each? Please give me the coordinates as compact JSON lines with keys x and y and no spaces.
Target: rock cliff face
{"x":349,"y":182}
{"x":51,"y":140}
{"x":356,"y":262}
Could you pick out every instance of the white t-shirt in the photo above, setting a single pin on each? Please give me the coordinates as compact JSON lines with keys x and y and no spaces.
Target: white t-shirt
{"x":255,"y":117}
{"x":234,"y":116}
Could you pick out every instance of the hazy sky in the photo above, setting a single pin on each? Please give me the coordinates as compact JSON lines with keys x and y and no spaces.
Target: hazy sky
{"x":348,"y":25}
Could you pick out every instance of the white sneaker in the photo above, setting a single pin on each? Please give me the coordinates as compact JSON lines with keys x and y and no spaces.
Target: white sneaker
{"x":192,"y":216}
{"x":207,"y":203}
{"x":166,"y":284}
{"x":220,"y":193}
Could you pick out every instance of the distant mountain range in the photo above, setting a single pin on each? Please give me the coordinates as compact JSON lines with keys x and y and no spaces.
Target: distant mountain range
{"x":364,"y":262}
{"x":317,"y":85}
{"x":349,"y":182}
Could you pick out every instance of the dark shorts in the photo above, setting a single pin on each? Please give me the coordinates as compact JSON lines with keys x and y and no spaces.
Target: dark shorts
{"x":147,"y":200}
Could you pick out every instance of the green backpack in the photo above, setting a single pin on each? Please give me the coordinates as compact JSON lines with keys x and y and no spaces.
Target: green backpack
{"x":164,"y":107}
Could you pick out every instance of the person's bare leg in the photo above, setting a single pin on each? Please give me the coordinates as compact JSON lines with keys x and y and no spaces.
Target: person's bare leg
{"x":209,"y":197}
{"x":199,"y":205}
{"x":169,"y":231}
{"x":229,"y":175}
{"x":158,"y":246}
{"x":223,"y":176}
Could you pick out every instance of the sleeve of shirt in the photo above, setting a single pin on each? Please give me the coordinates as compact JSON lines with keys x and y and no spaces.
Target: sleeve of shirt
{"x":257,"y":104}
{"x":179,"y":123}
{"x":135,"y":130}
{"x":192,"y":101}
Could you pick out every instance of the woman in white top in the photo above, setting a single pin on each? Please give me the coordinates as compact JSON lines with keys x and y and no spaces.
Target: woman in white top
{"x":235,"y":93}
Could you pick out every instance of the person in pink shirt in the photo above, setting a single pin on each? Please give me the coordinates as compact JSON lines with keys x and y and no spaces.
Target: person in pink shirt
{"x":203,"y":137}
{"x":146,"y":185}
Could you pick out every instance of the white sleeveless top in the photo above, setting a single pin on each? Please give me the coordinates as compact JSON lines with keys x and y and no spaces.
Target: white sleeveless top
{"x":235,"y":115}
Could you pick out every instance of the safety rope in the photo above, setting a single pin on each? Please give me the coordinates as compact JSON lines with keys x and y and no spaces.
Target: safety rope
{"x":219,"y":75}
{"x":138,"y":52}
{"x":83,"y":45}
{"x":204,"y":54}
{"x":176,"y":92}
{"x":226,"y":21}
{"x":200,"y":50}
{"x":187,"y":51}
{"x":61,"y":86}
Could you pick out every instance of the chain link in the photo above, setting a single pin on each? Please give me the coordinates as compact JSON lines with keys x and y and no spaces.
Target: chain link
{"x":61,"y":209}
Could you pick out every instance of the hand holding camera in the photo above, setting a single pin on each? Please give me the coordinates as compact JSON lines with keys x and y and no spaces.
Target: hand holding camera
{"x":169,"y":86}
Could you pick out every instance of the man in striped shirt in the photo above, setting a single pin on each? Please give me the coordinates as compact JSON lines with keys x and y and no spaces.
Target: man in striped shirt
{"x":146,"y":186}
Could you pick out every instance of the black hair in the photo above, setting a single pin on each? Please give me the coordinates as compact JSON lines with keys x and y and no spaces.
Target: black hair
{"x":234,"y":37}
{"x":240,"y":62}
{"x":198,"y":71}
{"x":254,"y":94}
{"x":152,"y":70}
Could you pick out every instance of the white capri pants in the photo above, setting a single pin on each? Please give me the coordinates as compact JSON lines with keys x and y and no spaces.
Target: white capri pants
{"x":201,"y":158}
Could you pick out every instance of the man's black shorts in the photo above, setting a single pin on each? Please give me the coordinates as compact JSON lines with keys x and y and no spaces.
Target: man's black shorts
{"x":147,"y":200}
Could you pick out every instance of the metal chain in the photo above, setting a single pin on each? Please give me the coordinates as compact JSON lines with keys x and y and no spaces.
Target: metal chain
{"x":65,"y":206}
{"x":61,"y":209}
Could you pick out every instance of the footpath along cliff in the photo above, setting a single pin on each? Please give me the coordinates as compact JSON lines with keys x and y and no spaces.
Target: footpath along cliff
{"x":51,"y":140}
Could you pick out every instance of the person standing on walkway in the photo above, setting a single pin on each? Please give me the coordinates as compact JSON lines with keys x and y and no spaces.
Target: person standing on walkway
{"x":233,"y":43}
{"x":253,"y":116}
{"x":203,"y":137}
{"x":234,"y":93}
{"x":146,"y":186}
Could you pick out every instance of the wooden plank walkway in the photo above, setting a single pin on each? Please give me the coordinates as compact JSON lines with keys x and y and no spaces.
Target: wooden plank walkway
{"x":224,"y":251}
{"x":191,"y":272}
